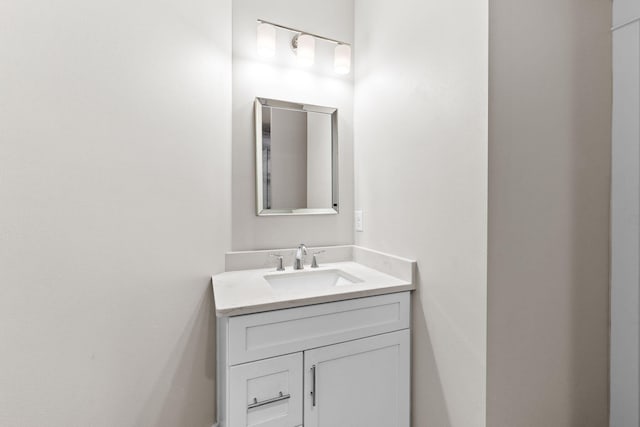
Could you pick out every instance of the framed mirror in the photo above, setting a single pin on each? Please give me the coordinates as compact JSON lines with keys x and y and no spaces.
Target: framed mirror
{"x":296,"y":158}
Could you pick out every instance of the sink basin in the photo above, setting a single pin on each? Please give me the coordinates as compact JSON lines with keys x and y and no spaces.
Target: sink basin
{"x":318,"y":280}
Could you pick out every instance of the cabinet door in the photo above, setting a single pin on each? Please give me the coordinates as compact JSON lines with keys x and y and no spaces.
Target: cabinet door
{"x":266,"y":393}
{"x":360,"y":383}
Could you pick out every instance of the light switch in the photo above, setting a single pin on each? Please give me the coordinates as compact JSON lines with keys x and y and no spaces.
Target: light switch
{"x":359,"y":221}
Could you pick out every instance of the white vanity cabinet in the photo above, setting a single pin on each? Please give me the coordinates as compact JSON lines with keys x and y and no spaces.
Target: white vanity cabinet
{"x":338,"y":364}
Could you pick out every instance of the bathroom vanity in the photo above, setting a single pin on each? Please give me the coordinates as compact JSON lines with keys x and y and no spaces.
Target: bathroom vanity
{"x":321,"y":347}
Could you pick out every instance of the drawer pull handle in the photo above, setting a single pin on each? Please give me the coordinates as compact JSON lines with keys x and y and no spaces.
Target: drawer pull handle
{"x":257,"y":404}
{"x":313,"y":385}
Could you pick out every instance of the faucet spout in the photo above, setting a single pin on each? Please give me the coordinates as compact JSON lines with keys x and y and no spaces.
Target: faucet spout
{"x":300,"y":253}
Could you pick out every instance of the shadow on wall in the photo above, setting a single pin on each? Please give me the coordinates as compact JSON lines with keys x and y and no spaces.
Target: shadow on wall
{"x":428,"y":402}
{"x":590,"y":157}
{"x":184,"y":395}
{"x":549,"y":174}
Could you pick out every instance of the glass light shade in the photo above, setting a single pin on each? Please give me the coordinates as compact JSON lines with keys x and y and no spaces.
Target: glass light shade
{"x":306,"y":50}
{"x":266,"y":40}
{"x":342,"y":60}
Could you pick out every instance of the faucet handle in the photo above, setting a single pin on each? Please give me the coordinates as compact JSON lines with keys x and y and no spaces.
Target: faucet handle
{"x":280,"y":266}
{"x":314,"y":261}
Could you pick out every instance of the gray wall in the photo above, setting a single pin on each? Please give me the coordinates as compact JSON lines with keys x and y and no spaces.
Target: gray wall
{"x":421,"y":181}
{"x":114,"y":209}
{"x":549,"y":167}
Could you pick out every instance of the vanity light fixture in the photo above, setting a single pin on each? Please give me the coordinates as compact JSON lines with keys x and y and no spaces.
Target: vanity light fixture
{"x":303,"y":44}
{"x":266,"y":40}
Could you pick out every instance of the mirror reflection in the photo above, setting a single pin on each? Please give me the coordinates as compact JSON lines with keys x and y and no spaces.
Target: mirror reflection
{"x":296,"y":152}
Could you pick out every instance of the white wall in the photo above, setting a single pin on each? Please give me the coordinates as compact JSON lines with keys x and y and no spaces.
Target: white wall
{"x":288,"y":159}
{"x":421,"y":180}
{"x":281,"y":78}
{"x":625,"y":213}
{"x":625,"y":11}
{"x":548,"y":270}
{"x":114,"y":194}
{"x":319,"y":156}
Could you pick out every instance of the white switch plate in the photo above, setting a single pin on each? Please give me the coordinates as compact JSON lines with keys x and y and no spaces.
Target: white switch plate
{"x":359,"y":221}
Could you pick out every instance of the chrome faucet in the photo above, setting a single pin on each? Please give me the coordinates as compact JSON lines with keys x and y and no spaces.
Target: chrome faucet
{"x":298,"y":264}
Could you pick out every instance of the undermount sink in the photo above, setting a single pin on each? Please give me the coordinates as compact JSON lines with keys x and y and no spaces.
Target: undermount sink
{"x":310,"y":280}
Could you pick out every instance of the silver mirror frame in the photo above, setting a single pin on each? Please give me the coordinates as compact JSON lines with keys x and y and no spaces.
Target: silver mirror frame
{"x":265,"y":102}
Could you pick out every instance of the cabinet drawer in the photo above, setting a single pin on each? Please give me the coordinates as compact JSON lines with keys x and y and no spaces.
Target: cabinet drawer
{"x":267,"y":393}
{"x":262,"y":335}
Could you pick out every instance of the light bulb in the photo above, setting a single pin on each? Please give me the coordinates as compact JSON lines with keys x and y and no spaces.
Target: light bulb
{"x":266,"y":40}
{"x":306,"y":50}
{"x":342,"y":60}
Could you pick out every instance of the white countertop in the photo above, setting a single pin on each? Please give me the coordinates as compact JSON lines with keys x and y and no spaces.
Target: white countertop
{"x":247,"y":291}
